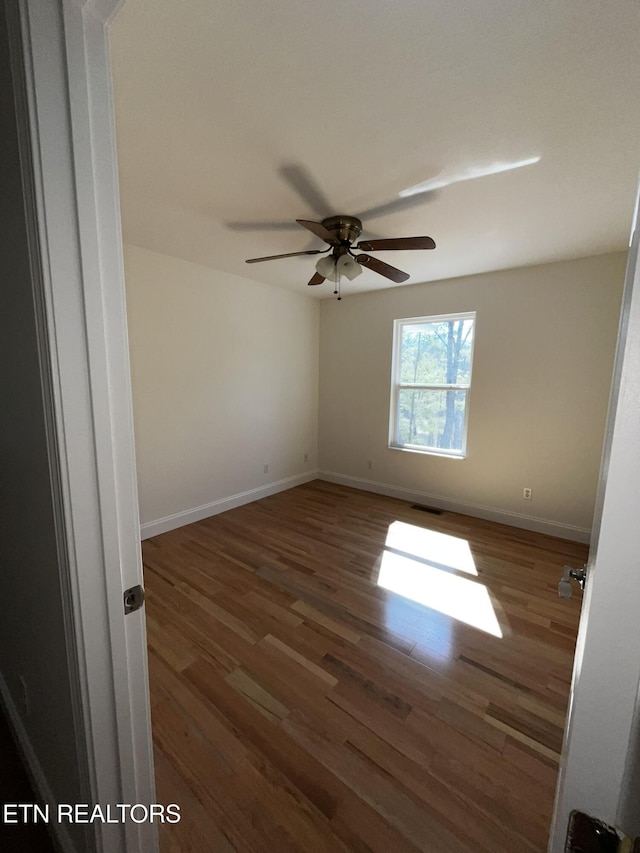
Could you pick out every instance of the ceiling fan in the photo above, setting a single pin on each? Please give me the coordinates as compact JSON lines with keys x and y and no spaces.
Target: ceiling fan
{"x":341,"y":232}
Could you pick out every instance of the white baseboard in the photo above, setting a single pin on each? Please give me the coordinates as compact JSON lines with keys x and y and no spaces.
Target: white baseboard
{"x":188,"y":516}
{"x":514,"y":519}
{"x":58,"y":832}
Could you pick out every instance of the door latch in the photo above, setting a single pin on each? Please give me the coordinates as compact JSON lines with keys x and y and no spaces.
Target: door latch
{"x":133,"y":599}
{"x":586,"y":833}
{"x":569,"y":574}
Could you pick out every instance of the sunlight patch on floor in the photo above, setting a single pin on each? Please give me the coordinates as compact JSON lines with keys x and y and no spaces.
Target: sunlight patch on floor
{"x":420,"y":574}
{"x":438,"y":549}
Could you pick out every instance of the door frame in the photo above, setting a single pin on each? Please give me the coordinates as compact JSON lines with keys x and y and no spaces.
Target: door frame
{"x":600,"y":763}
{"x":64,"y":103}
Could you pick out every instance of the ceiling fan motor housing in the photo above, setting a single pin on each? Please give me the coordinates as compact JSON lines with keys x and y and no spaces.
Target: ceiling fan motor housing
{"x":347,"y":228}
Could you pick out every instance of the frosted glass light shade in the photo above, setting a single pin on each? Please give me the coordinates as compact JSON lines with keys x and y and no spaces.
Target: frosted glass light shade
{"x":327,"y":268}
{"x":348,"y":267}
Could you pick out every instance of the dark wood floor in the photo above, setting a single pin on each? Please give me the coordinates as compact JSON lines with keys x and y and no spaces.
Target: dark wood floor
{"x":299,"y":705}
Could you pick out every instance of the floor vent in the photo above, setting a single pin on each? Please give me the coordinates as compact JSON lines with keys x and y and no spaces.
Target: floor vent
{"x":427,"y":509}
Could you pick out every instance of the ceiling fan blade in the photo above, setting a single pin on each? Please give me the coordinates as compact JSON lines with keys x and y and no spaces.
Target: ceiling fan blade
{"x":319,"y":230}
{"x":287,"y":255}
{"x":316,"y":279}
{"x":380,"y":267}
{"x":397,"y":243}
{"x":300,"y":179}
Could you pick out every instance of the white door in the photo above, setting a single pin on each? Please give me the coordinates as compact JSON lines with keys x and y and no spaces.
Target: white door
{"x":62,"y":88}
{"x":600,"y":768}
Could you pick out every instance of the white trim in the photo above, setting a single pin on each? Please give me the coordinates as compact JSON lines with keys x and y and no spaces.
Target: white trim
{"x":188,"y":516}
{"x":426,"y":451}
{"x":58,"y":832}
{"x":425,"y":386}
{"x":502,"y":516}
{"x":103,"y":10}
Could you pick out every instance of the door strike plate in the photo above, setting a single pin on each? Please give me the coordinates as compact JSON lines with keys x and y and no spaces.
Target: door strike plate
{"x":133,"y":599}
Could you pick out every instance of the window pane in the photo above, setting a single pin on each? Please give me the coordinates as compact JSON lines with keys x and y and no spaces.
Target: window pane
{"x":431,"y":418}
{"x":437,"y":353}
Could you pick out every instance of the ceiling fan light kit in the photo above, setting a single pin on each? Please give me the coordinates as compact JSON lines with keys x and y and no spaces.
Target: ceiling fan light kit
{"x":331,"y":269}
{"x":327,"y":268}
{"x":341,"y":232}
{"x":348,"y":266}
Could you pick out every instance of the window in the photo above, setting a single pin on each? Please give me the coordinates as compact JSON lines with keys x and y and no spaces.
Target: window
{"x":430,"y":382}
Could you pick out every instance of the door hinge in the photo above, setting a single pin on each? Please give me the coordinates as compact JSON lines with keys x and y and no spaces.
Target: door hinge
{"x":133,"y":599}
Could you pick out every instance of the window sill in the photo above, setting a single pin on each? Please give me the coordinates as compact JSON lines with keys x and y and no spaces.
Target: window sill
{"x":428,"y":451}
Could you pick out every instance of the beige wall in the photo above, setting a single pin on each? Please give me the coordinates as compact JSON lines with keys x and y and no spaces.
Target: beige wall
{"x":545,"y":340}
{"x":225,"y":379}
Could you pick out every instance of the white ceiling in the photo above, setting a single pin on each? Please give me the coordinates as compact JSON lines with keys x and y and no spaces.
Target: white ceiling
{"x":216,"y":101}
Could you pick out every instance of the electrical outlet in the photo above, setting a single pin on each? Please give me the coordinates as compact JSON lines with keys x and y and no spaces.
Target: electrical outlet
{"x":369,"y":463}
{"x":526,"y":494}
{"x":306,"y":457}
{"x":265,"y":468}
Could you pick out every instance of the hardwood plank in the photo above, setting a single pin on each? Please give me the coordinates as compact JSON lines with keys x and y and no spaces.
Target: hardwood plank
{"x":257,"y":695}
{"x":197,"y":830}
{"x":471,"y":724}
{"x":354,"y":680}
{"x":331,"y":624}
{"x":170,"y":645}
{"x":517,"y":734}
{"x":351,"y":818}
{"x":467,"y":821}
{"x":265,"y":605}
{"x":423,"y":830}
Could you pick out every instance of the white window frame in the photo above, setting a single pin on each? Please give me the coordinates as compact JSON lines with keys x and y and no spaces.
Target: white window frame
{"x":397,"y":385}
